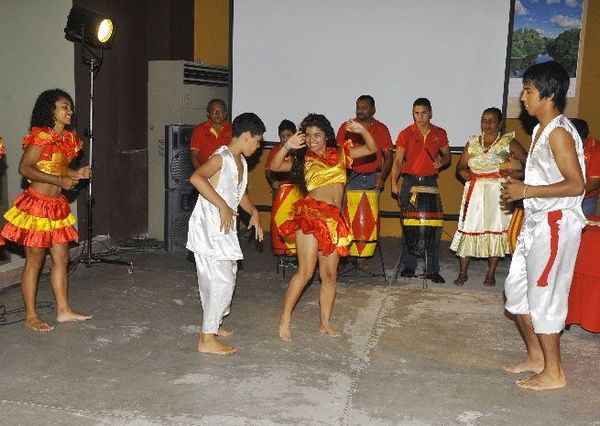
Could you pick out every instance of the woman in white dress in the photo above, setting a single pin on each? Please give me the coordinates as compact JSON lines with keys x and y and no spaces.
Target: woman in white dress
{"x":483,"y":221}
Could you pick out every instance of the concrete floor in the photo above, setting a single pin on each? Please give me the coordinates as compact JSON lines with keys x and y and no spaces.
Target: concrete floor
{"x":407,"y":356}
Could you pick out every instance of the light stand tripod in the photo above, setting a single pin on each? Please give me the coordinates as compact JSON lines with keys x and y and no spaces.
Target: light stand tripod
{"x":88,"y":258}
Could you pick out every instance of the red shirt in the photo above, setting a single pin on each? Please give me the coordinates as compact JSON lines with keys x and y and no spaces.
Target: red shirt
{"x":417,"y":161}
{"x":591,"y":153}
{"x":205,"y":139}
{"x":383,"y":140}
{"x":282,"y":177}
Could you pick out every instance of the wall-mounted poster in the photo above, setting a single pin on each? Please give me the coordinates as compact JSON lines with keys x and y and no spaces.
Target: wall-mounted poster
{"x":544,"y":30}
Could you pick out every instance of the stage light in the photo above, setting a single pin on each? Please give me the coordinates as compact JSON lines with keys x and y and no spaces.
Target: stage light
{"x":89,"y":27}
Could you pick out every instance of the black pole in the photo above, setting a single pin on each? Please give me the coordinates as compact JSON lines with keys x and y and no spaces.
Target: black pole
{"x":88,"y":259}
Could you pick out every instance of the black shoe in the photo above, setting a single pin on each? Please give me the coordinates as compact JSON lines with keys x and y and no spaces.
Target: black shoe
{"x":435,"y":278}
{"x":407,"y":272}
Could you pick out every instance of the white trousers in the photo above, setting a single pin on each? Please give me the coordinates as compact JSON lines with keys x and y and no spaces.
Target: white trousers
{"x":216,"y":282}
{"x":541,"y":271}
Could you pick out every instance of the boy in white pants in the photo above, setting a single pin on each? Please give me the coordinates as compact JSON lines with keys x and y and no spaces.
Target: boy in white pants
{"x":212,"y":236}
{"x":537,"y":286}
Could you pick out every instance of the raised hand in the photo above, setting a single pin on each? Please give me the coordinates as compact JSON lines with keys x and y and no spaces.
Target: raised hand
{"x":297,"y":141}
{"x":354,"y":126}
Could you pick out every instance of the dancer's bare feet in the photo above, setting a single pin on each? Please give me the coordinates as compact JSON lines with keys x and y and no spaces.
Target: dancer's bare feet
{"x":528,"y":366}
{"x":329,"y":330}
{"x":224,"y":332}
{"x":209,"y":344}
{"x":37,"y":324}
{"x":543,"y":381}
{"x":284,"y":330}
{"x":70,"y":316}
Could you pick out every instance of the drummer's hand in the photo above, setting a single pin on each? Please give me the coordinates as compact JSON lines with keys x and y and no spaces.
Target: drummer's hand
{"x":379,"y":184}
{"x":354,"y":126}
{"x":395,"y":188}
{"x":437,"y":162}
{"x":297,"y":141}
{"x":227,"y":214}
{"x":255,"y":223}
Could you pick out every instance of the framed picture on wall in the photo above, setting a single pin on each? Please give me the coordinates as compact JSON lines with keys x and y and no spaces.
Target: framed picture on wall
{"x":544,"y":30}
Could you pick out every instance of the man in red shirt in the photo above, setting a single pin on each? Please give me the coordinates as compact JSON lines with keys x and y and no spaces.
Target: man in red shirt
{"x":421,"y":150}
{"x":211,"y":134}
{"x":368,"y":172}
{"x":591,"y":153}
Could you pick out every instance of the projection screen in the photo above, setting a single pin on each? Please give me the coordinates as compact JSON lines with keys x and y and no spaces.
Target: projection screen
{"x":293,"y":57}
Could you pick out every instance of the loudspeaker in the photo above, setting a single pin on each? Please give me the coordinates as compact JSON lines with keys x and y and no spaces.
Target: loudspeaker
{"x":179,"y":206}
{"x":178,"y":166}
{"x":180,"y":195}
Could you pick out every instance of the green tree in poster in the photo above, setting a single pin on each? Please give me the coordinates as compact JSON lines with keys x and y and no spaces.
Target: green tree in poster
{"x":527,"y":44}
{"x":565,"y":48}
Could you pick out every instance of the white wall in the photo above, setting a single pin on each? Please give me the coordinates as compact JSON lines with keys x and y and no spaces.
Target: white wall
{"x":34,"y":57}
{"x":298,"y":56}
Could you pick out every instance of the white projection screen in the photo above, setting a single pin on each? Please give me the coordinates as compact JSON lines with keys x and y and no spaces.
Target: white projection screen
{"x":293,"y":57}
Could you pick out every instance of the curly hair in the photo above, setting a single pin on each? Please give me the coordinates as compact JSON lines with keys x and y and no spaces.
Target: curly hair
{"x":311,"y":120}
{"x":43,"y":110}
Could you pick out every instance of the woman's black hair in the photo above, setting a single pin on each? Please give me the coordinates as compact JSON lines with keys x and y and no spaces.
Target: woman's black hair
{"x":493,"y":110}
{"x":311,"y":120}
{"x":43,"y":110}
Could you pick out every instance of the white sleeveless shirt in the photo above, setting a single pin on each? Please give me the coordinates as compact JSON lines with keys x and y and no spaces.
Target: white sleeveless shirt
{"x":541,"y":169}
{"x":204,"y":235}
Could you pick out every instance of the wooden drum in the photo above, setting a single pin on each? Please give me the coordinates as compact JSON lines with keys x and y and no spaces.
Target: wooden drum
{"x":281,"y":211}
{"x":361,"y":212}
{"x":422,"y":220}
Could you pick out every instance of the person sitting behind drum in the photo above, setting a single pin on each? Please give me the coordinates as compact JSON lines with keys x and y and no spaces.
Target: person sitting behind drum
{"x":320,"y":169}
{"x":285,"y":130}
{"x":483,"y":220}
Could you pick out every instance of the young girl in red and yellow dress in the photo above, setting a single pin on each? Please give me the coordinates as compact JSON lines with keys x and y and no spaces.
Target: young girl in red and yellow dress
{"x":40,"y":218}
{"x":317,"y":223}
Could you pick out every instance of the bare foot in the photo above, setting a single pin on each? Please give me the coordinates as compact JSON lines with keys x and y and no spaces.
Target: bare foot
{"x":284,"y":331}
{"x":214,"y":346}
{"x":543,"y":381}
{"x":69,"y":316}
{"x":224,"y":332}
{"x":523,"y":367}
{"x":37,"y":324}
{"x":329,"y":330}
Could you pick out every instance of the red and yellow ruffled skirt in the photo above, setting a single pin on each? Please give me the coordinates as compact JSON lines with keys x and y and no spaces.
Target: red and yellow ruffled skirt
{"x":38,"y":220}
{"x":321,"y":220}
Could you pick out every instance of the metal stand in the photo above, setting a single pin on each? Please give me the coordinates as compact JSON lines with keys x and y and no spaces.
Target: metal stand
{"x":357,"y":271}
{"x":398,"y":262}
{"x":88,"y":258}
{"x":284,"y":262}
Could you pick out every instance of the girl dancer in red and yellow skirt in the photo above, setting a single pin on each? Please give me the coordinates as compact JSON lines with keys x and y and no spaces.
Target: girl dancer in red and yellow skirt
{"x":320,"y":168}
{"x":40,"y":217}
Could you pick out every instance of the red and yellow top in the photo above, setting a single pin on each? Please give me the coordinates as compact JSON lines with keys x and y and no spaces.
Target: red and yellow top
{"x":58,"y":150}
{"x":330,"y":168}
